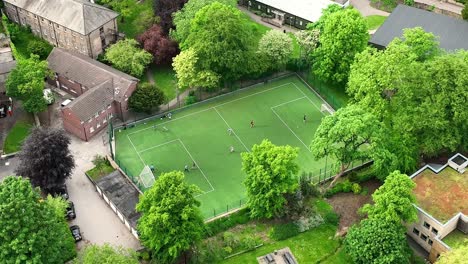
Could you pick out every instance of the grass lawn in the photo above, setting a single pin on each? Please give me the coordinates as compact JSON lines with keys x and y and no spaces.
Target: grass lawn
{"x":375,"y":21}
{"x":15,"y":138}
{"x":96,"y":173}
{"x":455,"y":239}
{"x":164,"y":77}
{"x":128,"y":25}
{"x":199,"y":134}
{"x":24,"y":37}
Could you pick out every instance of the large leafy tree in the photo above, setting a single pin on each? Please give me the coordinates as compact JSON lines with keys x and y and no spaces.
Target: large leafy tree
{"x":276,"y":47}
{"x":326,"y":12}
{"x":351,"y":134}
{"x":344,"y":35}
{"x":159,"y":45}
{"x":271,"y":172}
{"x":126,"y":56}
{"x":106,"y":254}
{"x":31,"y":230}
{"x":183,"y":17}
{"x":164,"y":9}
{"x":376,"y":241}
{"x":124,"y":7}
{"x":46,"y":159}
{"x":171,"y":220}
{"x":147,"y":98}
{"x":308,"y":41}
{"x":26,"y":82}
{"x":223,"y":40}
{"x":189,"y":75}
{"x":394,"y":200}
{"x":465,"y":11}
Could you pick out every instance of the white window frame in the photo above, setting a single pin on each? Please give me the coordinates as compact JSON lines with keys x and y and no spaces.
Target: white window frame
{"x":91,"y":129}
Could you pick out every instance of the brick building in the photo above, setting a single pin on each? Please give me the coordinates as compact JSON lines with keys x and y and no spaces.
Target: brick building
{"x":102,"y":91}
{"x":76,"y":25}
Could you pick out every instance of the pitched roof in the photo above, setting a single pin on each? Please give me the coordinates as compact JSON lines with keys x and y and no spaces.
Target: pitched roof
{"x":452,"y":32}
{"x":78,"y":15}
{"x":93,"y":101}
{"x":88,"y":72}
{"x":310,"y":10}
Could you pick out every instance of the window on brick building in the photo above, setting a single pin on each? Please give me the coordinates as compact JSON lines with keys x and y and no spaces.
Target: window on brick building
{"x":430,"y":242}
{"x":423,"y":237}
{"x":435,"y":231}
{"x":426,"y":225}
{"x":98,"y":125}
{"x":415,"y":231}
{"x":91,"y":129}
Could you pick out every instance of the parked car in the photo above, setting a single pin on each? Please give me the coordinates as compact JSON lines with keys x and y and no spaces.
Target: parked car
{"x":66,"y":102}
{"x":75,"y":230}
{"x":70,"y":211}
{"x":61,"y":191}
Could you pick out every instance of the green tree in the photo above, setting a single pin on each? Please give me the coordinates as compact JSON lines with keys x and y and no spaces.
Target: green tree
{"x":344,"y":35}
{"x":189,"y":76}
{"x":276,"y":47}
{"x":326,"y":12}
{"x":106,"y":254}
{"x":126,"y":56}
{"x":351,"y":134}
{"x":171,"y":220}
{"x":227,"y":58}
{"x":26,"y":83}
{"x":40,"y":48}
{"x":455,"y":256}
{"x":308,"y":41}
{"x":394,"y":200}
{"x":31,"y":230}
{"x":271,"y":172}
{"x":423,"y":44}
{"x":183,"y":18}
{"x":124,"y":7}
{"x":375,"y":241}
{"x":464,"y":12}
{"x":147,"y":98}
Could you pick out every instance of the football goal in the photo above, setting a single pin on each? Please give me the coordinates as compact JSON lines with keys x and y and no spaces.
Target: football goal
{"x":146,"y":177}
{"x":327,"y":108}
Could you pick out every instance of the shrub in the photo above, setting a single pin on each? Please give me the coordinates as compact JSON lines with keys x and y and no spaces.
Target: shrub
{"x":346,"y":186}
{"x":248,"y":242}
{"x":362,"y":175}
{"x":332,"y":218}
{"x":40,"y":48}
{"x":356,"y":188}
{"x":365,"y":191}
{"x":207,"y":253}
{"x":306,"y":223}
{"x":191,"y":98}
{"x":307,"y":188}
{"x":283,"y":231}
{"x":238,"y":218}
{"x":465,"y":11}
{"x":230,"y":239}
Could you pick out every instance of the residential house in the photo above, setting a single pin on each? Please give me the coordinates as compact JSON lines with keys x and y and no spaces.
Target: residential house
{"x":76,"y":25}
{"x":441,"y":194}
{"x":102,"y":92}
{"x":452,"y":33}
{"x":297,"y":13}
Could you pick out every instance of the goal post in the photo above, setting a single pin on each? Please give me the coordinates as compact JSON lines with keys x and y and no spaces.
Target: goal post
{"x":146,"y":177}
{"x":326,"y":108}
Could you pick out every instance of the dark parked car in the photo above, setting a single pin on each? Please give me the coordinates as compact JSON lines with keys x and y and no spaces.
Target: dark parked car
{"x":75,"y":230}
{"x":61,"y":191}
{"x":70,"y":212}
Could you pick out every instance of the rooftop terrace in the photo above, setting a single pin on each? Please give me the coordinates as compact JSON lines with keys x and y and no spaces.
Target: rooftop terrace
{"x":455,"y":239}
{"x":442,"y":195}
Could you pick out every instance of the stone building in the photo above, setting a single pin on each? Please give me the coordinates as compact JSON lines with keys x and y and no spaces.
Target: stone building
{"x":75,"y":25}
{"x":441,"y":202}
{"x":102,"y":92}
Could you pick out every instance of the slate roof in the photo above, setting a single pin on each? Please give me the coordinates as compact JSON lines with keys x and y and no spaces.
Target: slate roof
{"x":88,"y":72}
{"x":310,"y":10}
{"x":452,"y":32}
{"x":80,"y":16}
{"x":122,"y":194}
{"x":93,"y":101}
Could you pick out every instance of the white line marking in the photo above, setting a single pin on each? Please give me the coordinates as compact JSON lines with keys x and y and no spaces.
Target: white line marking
{"x":297,"y":99}
{"x":308,"y":98}
{"x":136,"y":151}
{"x":212,"y":188}
{"x":307,"y":147}
{"x":168,"y":142}
{"x":240,"y":140}
{"x":204,"y":110}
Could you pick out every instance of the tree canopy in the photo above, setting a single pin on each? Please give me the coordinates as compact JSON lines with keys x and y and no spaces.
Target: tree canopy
{"x":276,"y":47}
{"x":171,"y":220}
{"x":146,"y":98}
{"x":46,"y":159}
{"x":126,"y":56}
{"x":271,"y":172}
{"x":26,"y":82}
{"x":455,"y":256}
{"x":375,"y":241}
{"x":31,"y":230}
{"x":188,"y":75}
{"x":159,"y":45}
{"x":394,"y":200}
{"x":183,"y":17}
{"x":106,"y":254}
{"x":227,"y":58}
{"x":165,"y":10}
{"x":344,"y":35}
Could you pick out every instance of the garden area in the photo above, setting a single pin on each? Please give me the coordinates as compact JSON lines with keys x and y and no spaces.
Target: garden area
{"x":374,"y":21}
{"x":18,"y":133}
{"x":101,"y":169}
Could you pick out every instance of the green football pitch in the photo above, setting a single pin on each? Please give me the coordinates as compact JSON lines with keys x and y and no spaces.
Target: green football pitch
{"x":199,"y":135}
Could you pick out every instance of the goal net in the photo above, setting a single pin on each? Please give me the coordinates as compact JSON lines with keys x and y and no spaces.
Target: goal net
{"x":146,"y":177}
{"x":326,"y":108}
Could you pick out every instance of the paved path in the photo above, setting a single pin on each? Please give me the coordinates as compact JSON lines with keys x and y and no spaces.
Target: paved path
{"x":443,"y":5}
{"x":259,"y":20}
{"x":149,"y":75}
{"x":366,"y":9}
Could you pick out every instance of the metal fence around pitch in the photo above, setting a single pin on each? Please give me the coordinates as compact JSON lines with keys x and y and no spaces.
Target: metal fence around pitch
{"x":225,"y":209}
{"x":133,"y":178}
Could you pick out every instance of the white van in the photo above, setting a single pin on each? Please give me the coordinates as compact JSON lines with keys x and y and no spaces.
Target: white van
{"x":66,"y":102}
{"x":49,"y":96}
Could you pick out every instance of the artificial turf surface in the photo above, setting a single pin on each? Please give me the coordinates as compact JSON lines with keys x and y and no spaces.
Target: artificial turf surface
{"x":199,"y":134}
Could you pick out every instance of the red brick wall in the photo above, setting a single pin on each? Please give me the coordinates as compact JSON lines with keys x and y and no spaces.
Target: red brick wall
{"x":124,"y":104}
{"x":72,"y":124}
{"x":74,"y":88}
